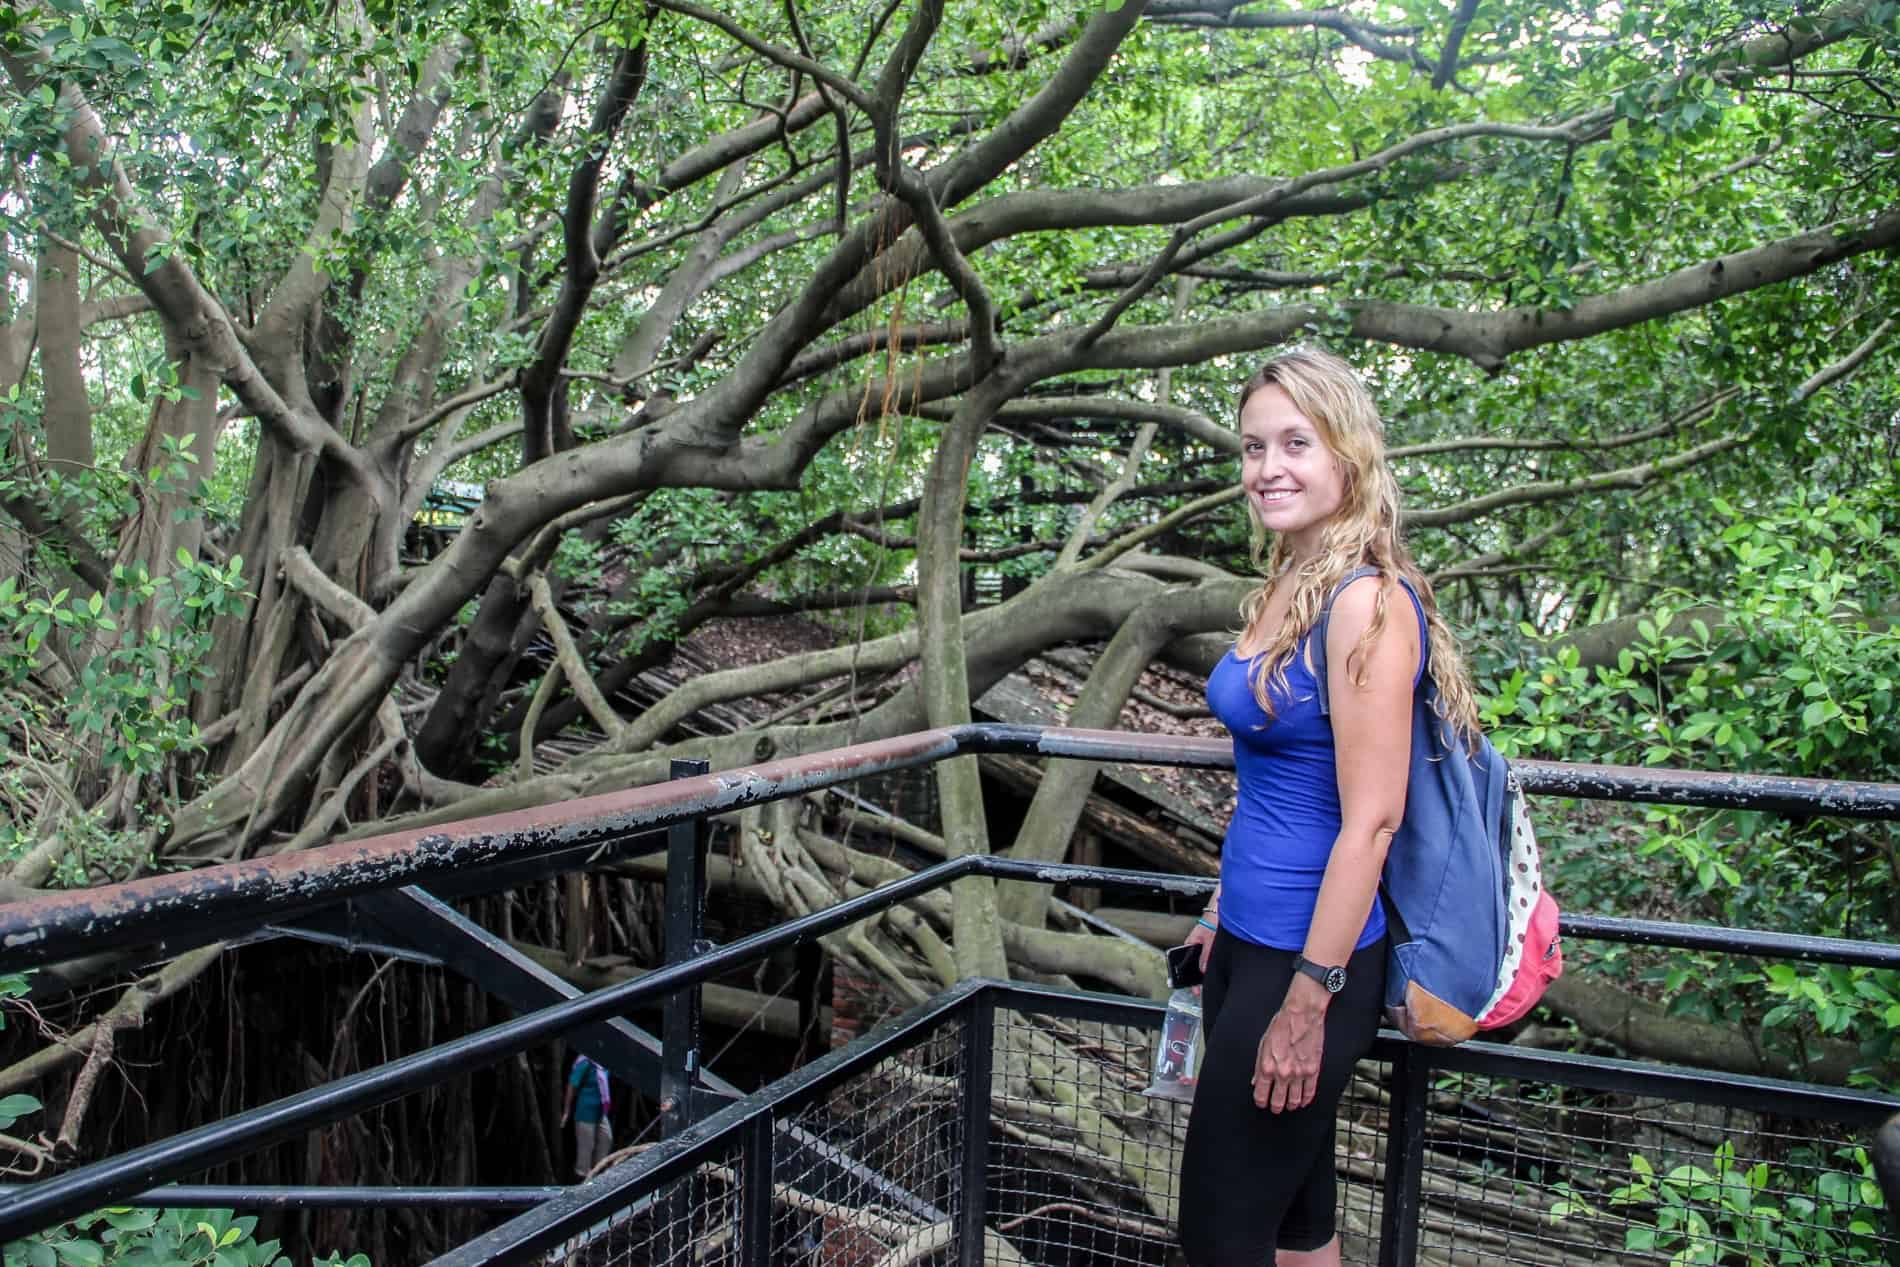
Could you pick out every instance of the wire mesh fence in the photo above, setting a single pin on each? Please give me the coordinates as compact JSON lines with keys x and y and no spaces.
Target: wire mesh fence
{"x":868,"y":1173}
{"x":689,"y":1221}
{"x":1505,"y":1170}
{"x":1008,"y":1126}
{"x":1082,"y":1167}
{"x":1525,"y":1171}
{"x":1359,"y":1154}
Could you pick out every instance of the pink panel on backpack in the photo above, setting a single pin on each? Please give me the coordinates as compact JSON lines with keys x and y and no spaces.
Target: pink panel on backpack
{"x":1542,"y":963}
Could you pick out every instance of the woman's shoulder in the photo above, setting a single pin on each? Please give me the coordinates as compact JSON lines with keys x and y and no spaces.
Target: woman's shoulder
{"x":1356,"y":602}
{"x":1355,"y":599}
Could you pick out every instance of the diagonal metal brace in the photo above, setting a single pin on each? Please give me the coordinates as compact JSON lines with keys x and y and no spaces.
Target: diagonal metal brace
{"x":417,"y":917}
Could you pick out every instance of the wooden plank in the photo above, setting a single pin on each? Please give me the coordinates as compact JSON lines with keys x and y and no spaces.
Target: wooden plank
{"x":1015,"y":700}
{"x":1162,"y":847}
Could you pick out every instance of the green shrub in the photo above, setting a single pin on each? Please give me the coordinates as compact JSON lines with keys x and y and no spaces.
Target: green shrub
{"x":1728,"y":1214}
{"x":1799,"y":678}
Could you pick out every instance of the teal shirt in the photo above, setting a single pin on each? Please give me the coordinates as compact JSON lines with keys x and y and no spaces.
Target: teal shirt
{"x":589,"y":1079}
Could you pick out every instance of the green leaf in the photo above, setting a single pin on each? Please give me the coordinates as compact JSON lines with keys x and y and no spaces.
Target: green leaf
{"x":136,"y":1220}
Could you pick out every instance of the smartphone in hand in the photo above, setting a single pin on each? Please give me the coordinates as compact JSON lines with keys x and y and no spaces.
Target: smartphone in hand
{"x":1184,"y":966}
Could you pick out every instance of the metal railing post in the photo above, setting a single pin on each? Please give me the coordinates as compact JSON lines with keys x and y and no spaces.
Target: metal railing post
{"x":1404,"y":1159}
{"x":755,"y":1193}
{"x":685,"y":928}
{"x":979,"y":1039}
{"x":679,"y":1057}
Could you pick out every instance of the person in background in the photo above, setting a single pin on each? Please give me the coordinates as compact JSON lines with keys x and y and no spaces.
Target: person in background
{"x":589,"y":1102}
{"x":1293,"y":943}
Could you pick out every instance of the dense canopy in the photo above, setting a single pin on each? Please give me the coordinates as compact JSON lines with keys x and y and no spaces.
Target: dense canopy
{"x":869,"y":310}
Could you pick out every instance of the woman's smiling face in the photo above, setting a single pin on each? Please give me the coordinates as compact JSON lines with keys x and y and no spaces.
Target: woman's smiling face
{"x":1293,"y":482}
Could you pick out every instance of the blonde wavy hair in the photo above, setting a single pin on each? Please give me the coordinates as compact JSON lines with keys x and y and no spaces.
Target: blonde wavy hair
{"x":1364,"y":532}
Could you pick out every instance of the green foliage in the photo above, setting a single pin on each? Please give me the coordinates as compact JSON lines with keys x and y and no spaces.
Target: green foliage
{"x":137,"y":651}
{"x":1731,"y":1214}
{"x":131,"y":1237}
{"x":1798,"y":676}
{"x":133,"y":693}
{"x":226,"y":119}
{"x":125,"y":1237}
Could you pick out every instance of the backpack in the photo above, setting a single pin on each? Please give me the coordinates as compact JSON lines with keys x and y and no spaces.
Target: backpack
{"x":600,"y":1084}
{"x":1472,"y":930}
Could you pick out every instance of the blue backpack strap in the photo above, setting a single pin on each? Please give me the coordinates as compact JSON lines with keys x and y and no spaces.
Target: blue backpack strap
{"x":1396,"y":930}
{"x":1316,"y":646}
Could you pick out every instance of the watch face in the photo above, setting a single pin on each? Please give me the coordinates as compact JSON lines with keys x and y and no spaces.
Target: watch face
{"x":1335,"y":980}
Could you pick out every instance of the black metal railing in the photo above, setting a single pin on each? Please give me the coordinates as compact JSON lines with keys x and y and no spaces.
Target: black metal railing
{"x":1483,"y":1151}
{"x":718,"y":1173}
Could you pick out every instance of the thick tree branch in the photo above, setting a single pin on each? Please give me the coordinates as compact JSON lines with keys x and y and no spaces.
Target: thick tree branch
{"x":1844,"y":367}
{"x":841,"y":118}
{"x":148,"y":255}
{"x":1064,"y":790}
{"x":1137,"y":451}
{"x":129,"y":1011}
{"x":902,"y":181}
{"x":415,"y":126}
{"x":771,"y":52}
{"x":278,"y":334}
{"x":1038,"y":118}
{"x":1262,"y":204}
{"x":965,"y":554}
{"x":1488,"y":339}
{"x":468,"y":398}
{"x":908,"y":186}
{"x":585,"y":241}
{"x":639,"y":353}
{"x":1448,"y":57}
{"x":1373,"y":38}
{"x":463,"y":446}
{"x":113,"y":308}
{"x":1481,"y":564}
{"x":572,"y":662}
{"x":61,"y":529}
{"x":867,"y":342}
{"x":308,"y":579}
{"x":1555,"y":490}
{"x":1167,"y":523}
{"x":1042,"y":210}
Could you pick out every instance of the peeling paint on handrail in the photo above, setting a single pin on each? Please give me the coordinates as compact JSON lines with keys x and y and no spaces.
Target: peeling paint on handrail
{"x":187,"y":908}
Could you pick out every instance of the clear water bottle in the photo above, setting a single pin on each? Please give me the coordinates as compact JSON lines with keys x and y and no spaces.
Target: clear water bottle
{"x":1177,"y":1061}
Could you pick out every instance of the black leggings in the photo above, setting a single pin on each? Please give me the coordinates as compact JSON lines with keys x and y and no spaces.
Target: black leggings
{"x":1253,"y":1180}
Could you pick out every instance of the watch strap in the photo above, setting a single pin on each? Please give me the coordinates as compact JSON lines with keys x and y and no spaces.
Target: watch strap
{"x":1334,"y":978}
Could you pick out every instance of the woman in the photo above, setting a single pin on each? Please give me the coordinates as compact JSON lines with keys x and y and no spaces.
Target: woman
{"x":1292,"y":943}
{"x":590,"y":1102}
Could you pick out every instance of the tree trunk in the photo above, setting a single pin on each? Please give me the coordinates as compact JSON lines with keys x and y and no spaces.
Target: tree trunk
{"x":945,"y":671}
{"x":1065,"y":786}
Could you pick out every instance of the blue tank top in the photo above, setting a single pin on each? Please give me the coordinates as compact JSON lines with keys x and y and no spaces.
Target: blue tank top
{"x":1286,"y":816}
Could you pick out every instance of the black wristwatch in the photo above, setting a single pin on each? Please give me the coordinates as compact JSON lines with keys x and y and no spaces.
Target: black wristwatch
{"x":1334,"y":979}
